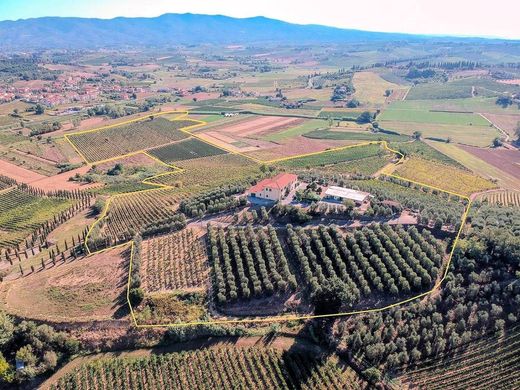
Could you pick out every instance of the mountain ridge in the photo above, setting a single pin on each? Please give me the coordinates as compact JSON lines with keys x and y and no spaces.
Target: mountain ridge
{"x":181,"y":29}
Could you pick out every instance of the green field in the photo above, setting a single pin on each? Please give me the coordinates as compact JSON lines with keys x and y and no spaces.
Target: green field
{"x":471,"y":105}
{"x":338,"y":114}
{"x":425,"y":151}
{"x":333,"y":157}
{"x":394,"y":113}
{"x":304,"y":128}
{"x":355,"y":135}
{"x":185,"y":150}
{"x":457,"y":89}
{"x":470,"y":135}
{"x":365,"y":166}
{"x":425,"y":116}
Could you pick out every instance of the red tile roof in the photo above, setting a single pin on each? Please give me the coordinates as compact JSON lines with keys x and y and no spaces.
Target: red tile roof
{"x":279,"y":181}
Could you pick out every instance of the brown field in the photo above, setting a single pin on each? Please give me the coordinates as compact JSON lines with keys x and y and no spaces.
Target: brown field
{"x":18,"y":173}
{"x":506,"y":122}
{"x":506,"y":160}
{"x":234,"y":144}
{"x":510,"y":82}
{"x":135,"y":160}
{"x":45,"y":183}
{"x":296,"y":146}
{"x":396,"y":95}
{"x":262,"y":125}
{"x":92,"y":288}
{"x":61,"y":181}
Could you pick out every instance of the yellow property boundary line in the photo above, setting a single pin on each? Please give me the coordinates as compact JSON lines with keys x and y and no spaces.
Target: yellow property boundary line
{"x":177,"y":170}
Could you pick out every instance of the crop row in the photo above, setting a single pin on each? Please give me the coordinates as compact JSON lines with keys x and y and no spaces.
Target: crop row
{"x":493,"y":362}
{"x":185,"y":150}
{"x":117,"y":141}
{"x":224,"y":368}
{"x":248,"y":263}
{"x":373,"y":259}
{"x":174,"y":262}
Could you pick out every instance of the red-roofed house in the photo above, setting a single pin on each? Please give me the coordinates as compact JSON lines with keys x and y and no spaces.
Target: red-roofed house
{"x":274,"y":188}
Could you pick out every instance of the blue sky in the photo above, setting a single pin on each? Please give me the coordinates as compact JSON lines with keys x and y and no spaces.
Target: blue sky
{"x":499,"y":18}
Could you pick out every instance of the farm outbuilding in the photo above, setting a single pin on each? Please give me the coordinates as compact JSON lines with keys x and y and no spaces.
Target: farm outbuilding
{"x":339,"y":194}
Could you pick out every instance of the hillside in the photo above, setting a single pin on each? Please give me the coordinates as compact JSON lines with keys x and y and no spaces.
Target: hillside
{"x":172,"y":29}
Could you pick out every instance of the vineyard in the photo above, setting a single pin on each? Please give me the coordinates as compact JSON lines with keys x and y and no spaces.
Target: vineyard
{"x":423,"y":150}
{"x":492,"y":362}
{"x":333,"y":157}
{"x":210,"y":172}
{"x":223,"y":368}
{"x":502,"y":198}
{"x":185,"y":150}
{"x":130,"y":213}
{"x":22,"y":212}
{"x":248,"y":263}
{"x":6,"y":182}
{"x":376,"y":259}
{"x":443,"y":176}
{"x":176,"y":261}
{"x":99,"y":145}
{"x":365,"y":166}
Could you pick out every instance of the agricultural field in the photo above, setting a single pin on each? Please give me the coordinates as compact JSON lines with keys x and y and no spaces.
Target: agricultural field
{"x":99,"y":145}
{"x":425,"y":151}
{"x":505,"y":160}
{"x":294,"y":146}
{"x":185,"y":150}
{"x":458,"y":89}
{"x":236,"y":254}
{"x":477,"y":165}
{"x":170,"y":215}
{"x":365,"y":166}
{"x":23,"y":212}
{"x":504,"y":198}
{"x":249,"y":264}
{"x":443,"y":176}
{"x":394,"y":113}
{"x":242,"y":367}
{"x":438,"y":122}
{"x":83,"y":290}
{"x":295,"y":130}
{"x":371,"y":88}
{"x":405,"y":260}
{"x":177,"y":261}
{"x":210,"y":172}
{"x":337,"y":113}
{"x":333,"y":156}
{"x":128,"y":214}
{"x":491,"y":359}
{"x":356,"y":135}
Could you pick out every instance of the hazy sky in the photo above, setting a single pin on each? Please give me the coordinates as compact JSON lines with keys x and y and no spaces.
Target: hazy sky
{"x":498,"y":18}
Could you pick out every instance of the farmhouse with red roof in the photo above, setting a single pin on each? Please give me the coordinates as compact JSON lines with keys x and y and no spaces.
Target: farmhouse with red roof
{"x":274,"y":188}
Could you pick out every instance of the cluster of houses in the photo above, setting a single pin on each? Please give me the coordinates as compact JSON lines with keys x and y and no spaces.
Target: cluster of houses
{"x":67,"y":88}
{"x":281,"y":186}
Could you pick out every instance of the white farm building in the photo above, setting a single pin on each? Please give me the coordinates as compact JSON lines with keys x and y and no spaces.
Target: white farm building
{"x":339,"y":194}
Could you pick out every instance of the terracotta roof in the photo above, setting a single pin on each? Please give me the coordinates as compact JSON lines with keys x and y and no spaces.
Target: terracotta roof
{"x":279,"y":181}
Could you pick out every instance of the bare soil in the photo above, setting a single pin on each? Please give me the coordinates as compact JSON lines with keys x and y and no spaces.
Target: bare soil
{"x":87,"y":289}
{"x":507,"y":160}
